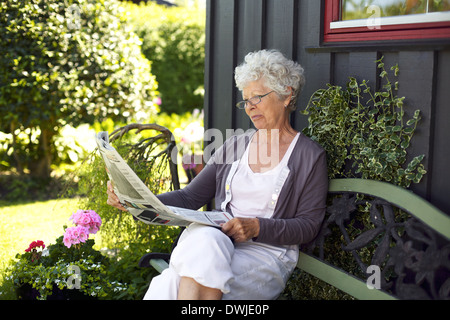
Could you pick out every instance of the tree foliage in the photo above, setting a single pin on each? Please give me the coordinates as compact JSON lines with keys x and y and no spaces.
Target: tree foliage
{"x":66,"y":62}
{"x":174,"y":40}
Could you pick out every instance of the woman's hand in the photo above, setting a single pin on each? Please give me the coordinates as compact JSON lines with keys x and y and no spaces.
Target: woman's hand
{"x":241,"y":229}
{"x":113,"y":200}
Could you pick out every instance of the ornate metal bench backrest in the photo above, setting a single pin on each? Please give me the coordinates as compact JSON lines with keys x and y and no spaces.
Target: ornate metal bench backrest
{"x":400,"y":235}
{"x":158,"y":149}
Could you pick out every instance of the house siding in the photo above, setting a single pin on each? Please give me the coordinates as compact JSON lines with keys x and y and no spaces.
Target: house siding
{"x":236,"y":27}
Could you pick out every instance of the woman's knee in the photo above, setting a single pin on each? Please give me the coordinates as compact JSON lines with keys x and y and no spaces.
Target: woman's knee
{"x":207,"y":235}
{"x":203,"y":245}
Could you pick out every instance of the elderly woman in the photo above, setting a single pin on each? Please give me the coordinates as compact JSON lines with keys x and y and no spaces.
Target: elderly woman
{"x":274,"y":182}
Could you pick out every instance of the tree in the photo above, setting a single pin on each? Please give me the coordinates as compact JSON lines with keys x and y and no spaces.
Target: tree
{"x":66,"y":62}
{"x":174,"y":39}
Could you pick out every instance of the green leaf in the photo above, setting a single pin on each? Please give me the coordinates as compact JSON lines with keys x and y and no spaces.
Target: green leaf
{"x":396,"y":139}
{"x":408,"y":130}
{"x":405,"y":144}
{"x":417,"y":114}
{"x":304,"y":112}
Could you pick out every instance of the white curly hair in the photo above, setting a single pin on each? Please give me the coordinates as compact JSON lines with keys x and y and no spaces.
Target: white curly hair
{"x":279,"y":73}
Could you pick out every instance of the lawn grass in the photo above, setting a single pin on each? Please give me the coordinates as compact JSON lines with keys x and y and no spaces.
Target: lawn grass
{"x":23,"y":223}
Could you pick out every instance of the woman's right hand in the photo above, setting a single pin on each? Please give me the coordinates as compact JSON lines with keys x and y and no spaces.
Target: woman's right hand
{"x":113,"y":200}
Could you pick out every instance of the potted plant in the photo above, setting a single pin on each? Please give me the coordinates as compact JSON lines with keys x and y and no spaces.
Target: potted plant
{"x":69,"y":269}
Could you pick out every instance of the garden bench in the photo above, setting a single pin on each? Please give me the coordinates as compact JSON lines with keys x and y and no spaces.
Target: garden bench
{"x":399,"y":244}
{"x":374,"y":233}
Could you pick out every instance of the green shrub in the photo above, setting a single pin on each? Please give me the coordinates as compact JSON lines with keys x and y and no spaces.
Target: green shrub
{"x":119,"y":229}
{"x":66,"y":62}
{"x":173,"y":39}
{"x":15,"y":188}
{"x":127,"y":239}
{"x":125,"y":269}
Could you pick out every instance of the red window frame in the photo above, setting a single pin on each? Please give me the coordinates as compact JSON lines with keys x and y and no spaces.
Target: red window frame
{"x":429,"y":30}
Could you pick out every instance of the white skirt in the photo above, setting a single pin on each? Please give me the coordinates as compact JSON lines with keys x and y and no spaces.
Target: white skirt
{"x":248,"y":270}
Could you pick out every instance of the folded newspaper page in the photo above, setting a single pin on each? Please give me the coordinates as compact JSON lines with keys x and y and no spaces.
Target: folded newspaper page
{"x":141,"y":202}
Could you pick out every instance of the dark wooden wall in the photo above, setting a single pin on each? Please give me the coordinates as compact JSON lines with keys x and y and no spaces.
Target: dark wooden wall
{"x":236,"y":27}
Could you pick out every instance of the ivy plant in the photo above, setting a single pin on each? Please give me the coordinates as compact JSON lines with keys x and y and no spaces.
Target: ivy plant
{"x":365,"y":133}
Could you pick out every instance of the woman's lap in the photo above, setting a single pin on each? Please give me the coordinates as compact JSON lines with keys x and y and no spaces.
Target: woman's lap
{"x":245,"y":271}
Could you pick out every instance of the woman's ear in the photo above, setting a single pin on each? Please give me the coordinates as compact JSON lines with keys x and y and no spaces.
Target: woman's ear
{"x":287,"y":100}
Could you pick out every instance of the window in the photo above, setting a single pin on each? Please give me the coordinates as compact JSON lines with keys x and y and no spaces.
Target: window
{"x":365,"y":20}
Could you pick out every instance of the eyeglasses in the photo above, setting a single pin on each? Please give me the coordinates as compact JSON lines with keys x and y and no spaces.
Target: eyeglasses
{"x":252,"y":101}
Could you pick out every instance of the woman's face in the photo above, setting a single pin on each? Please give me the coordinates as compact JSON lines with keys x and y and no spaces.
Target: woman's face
{"x":270,"y":113}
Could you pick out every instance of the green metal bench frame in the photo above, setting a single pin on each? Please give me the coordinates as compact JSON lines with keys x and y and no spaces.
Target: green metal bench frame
{"x":427,"y":223}
{"x":397,"y":196}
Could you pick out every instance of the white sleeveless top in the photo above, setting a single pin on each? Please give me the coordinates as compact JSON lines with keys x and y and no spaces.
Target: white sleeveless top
{"x":255,"y":194}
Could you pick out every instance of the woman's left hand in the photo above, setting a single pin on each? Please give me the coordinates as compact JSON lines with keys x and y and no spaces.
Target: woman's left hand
{"x":241,"y":229}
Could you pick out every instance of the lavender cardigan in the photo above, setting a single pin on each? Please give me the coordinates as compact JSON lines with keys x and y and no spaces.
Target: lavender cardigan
{"x":301,"y":203}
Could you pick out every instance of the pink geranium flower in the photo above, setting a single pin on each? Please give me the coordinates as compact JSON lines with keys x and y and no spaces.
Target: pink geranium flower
{"x":87,"y":218}
{"x":75,"y":235}
{"x":86,"y":222}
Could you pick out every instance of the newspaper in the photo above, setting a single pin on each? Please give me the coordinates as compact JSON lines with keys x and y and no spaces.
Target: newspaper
{"x":134,"y":195}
